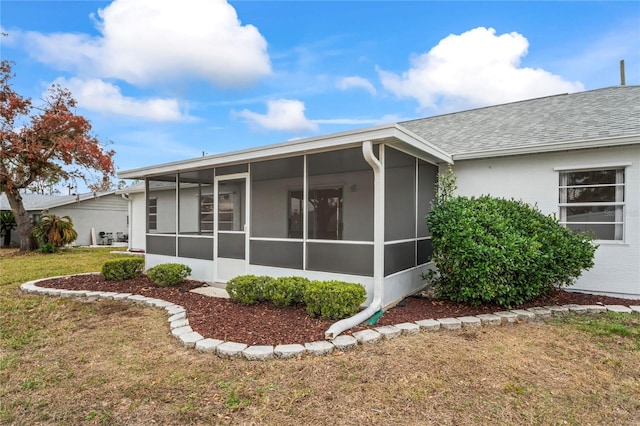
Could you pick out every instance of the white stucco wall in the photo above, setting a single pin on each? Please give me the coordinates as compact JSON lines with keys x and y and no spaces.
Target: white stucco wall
{"x":532,"y":178}
{"x":137,"y":221}
{"x":201,"y":270}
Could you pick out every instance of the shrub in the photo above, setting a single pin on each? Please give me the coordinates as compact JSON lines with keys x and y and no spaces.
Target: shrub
{"x":47,"y":248}
{"x":7,"y":224}
{"x":122,"y":269}
{"x":333,"y":299}
{"x":285,"y":291}
{"x":168,"y":274}
{"x":55,"y":230}
{"x":491,"y":250}
{"x":247,"y":289}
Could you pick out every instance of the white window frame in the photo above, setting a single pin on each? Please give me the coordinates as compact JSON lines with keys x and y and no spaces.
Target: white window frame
{"x":207,"y":206}
{"x":618,"y":204}
{"x":154,"y":214}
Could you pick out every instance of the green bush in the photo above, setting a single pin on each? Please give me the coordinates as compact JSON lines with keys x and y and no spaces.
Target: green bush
{"x":248,"y":289}
{"x":123,"y":268}
{"x":285,"y":291}
{"x":168,"y":274}
{"x":333,"y":299}
{"x":47,"y":248}
{"x":491,"y":250}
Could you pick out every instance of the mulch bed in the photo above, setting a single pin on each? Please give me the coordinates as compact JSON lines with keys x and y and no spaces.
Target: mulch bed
{"x":266,"y":324}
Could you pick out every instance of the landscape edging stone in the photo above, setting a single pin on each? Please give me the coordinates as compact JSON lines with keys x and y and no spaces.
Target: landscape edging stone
{"x":235,"y":350}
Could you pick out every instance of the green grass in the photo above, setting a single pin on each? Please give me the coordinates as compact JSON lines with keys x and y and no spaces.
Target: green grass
{"x":20,"y":314}
{"x":18,"y":268}
{"x":608,"y":329}
{"x":65,"y":361}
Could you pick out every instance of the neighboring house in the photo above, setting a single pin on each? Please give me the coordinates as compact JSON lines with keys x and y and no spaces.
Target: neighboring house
{"x":103,"y":212}
{"x":351,"y":205}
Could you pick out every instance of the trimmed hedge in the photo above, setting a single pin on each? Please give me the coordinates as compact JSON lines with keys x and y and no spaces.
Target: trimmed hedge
{"x":492,"y":250}
{"x":124,"y":268}
{"x":247,"y":289}
{"x":328,"y":299}
{"x":168,"y":274}
{"x":333,"y":299}
{"x":285,"y":291}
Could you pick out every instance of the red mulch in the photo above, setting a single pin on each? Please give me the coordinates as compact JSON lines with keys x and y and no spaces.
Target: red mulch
{"x":226,"y":320}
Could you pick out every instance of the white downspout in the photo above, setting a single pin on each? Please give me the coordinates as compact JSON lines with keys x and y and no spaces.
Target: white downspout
{"x":129,"y":219}
{"x":378,"y":248}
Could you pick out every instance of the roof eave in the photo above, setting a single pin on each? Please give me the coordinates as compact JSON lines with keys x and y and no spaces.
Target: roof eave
{"x":549,"y":147}
{"x":407,"y":136}
{"x":301,"y":146}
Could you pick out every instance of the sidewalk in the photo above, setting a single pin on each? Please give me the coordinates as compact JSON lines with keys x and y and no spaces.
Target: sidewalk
{"x":213,"y":290}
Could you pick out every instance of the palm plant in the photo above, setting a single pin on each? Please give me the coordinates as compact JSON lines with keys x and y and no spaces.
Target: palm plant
{"x":54,"y":230}
{"x":7,"y":224}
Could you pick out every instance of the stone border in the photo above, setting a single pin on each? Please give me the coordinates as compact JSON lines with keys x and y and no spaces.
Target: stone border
{"x":182,"y":331}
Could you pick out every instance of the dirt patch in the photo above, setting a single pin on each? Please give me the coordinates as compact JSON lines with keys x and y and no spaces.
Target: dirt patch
{"x":266,"y":324}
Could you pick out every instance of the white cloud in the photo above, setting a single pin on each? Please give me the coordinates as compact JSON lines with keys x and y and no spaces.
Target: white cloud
{"x":144,"y":41}
{"x":97,"y":95}
{"x":474,"y":69}
{"x":282,"y":114}
{"x":355,"y":82}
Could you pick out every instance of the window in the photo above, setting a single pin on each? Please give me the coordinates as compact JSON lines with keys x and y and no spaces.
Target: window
{"x":153,"y":214}
{"x":206,"y":213}
{"x":195,"y":202}
{"x":231,"y":214}
{"x":295,"y":214}
{"x":324,"y":209}
{"x":592,"y":201}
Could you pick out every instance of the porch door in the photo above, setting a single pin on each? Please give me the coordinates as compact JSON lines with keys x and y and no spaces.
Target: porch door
{"x":231,"y":231}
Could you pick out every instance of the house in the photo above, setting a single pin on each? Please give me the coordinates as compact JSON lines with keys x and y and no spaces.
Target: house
{"x":351,"y":205}
{"x":98,"y":218}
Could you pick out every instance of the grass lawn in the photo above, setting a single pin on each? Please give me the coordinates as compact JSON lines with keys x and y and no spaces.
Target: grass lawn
{"x":66,"y":362}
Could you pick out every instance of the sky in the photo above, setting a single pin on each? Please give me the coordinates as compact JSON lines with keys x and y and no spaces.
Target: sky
{"x":168,"y":80}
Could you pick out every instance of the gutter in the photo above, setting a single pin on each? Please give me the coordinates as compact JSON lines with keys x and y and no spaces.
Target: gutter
{"x":378,"y":248}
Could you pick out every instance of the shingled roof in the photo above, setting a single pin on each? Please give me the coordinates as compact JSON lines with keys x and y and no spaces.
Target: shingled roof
{"x":37,"y":202}
{"x":601,"y":114}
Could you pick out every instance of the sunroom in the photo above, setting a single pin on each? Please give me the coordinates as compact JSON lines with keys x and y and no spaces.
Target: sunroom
{"x":349,"y":207}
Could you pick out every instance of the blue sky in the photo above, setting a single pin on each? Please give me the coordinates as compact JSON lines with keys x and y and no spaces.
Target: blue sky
{"x":167,"y":80}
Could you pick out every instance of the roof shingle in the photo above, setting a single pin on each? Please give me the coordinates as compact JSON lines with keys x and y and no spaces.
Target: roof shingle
{"x":592,"y":115}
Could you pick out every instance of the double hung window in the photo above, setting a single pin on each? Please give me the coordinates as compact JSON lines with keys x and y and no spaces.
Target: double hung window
{"x":153,"y":214}
{"x":592,"y":201}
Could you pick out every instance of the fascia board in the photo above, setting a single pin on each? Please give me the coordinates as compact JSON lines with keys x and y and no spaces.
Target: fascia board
{"x":420,"y":144}
{"x":549,"y":147}
{"x":130,"y":191}
{"x":317,"y":144}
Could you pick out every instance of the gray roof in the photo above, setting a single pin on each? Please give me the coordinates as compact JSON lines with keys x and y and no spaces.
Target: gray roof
{"x":593,"y":115}
{"x":134,"y":187}
{"x":38,"y":202}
